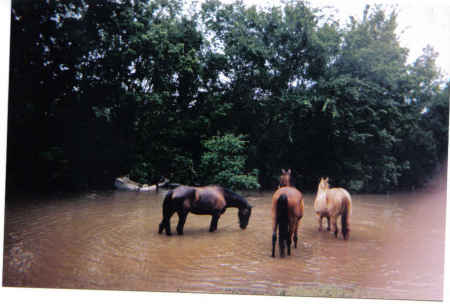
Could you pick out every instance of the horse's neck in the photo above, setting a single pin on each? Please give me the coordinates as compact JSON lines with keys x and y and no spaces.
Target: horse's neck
{"x":288,"y":182}
{"x":233,"y":200}
{"x":321,"y":199}
{"x":235,"y":204}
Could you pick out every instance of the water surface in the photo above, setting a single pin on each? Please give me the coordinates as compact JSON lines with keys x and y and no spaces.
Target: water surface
{"x":109,"y":240}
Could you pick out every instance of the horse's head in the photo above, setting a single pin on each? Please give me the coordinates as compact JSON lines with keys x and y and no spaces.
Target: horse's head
{"x":285,"y":178}
{"x":235,"y":200}
{"x":244,"y":216}
{"x":323,"y":185}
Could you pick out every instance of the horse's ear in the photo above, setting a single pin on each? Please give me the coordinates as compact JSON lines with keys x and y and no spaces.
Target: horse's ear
{"x":282,"y":171}
{"x":289,"y":171}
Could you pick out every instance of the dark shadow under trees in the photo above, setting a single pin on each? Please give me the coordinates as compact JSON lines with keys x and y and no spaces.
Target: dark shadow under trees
{"x":136,"y":87}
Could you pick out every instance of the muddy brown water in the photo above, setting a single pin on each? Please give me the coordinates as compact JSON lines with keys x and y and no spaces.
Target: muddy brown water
{"x":109,"y":240}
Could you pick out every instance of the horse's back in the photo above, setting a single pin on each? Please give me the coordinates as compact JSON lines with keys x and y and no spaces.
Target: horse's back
{"x":338,"y":194}
{"x":339,"y":197}
{"x":210,"y":197}
{"x":294,"y":197}
{"x":290,"y":192}
{"x":211,"y":192}
{"x":183,"y":192}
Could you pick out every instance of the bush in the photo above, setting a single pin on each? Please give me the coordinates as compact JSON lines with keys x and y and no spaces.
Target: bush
{"x":223,"y":163}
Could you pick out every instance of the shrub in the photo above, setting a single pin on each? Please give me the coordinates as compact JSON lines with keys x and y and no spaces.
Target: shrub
{"x":223,"y":163}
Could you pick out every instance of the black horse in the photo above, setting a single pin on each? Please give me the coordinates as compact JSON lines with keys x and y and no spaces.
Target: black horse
{"x":213,"y":200}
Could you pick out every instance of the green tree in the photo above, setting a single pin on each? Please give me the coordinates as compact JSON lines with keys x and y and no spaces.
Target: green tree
{"x":223,"y":163}
{"x":366,"y":100}
{"x":436,"y":115}
{"x":272,"y":56}
{"x":104,"y":88}
{"x":425,"y":137}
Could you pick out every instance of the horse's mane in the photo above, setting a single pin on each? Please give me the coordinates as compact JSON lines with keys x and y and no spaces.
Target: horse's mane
{"x":232,"y":197}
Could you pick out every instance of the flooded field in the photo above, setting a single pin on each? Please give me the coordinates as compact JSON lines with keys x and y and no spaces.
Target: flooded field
{"x":109,"y":241}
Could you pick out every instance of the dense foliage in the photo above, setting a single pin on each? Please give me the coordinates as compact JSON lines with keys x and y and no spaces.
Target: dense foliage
{"x":223,"y":163}
{"x":104,"y":88}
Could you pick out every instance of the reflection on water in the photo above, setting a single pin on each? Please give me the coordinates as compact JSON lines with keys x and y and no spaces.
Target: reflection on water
{"x":109,"y":240}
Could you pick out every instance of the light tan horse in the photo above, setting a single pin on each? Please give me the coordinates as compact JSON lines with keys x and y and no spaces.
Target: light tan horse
{"x":287,"y":210}
{"x":331,"y":203}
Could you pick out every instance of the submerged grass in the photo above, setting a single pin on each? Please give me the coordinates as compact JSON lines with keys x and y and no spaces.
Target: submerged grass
{"x":324,"y":290}
{"x":321,"y":290}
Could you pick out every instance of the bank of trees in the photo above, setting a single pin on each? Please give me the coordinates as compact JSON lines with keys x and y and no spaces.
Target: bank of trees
{"x":160,"y":88}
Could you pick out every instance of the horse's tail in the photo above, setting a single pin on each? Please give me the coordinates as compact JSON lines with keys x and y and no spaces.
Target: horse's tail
{"x":282,"y":215}
{"x":345,"y":217}
{"x":167,"y":200}
{"x":165,"y":211}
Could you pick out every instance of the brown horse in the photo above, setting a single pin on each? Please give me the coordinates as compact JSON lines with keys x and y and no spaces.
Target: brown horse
{"x":331,"y":203}
{"x":287,"y":210}
{"x":212,"y":200}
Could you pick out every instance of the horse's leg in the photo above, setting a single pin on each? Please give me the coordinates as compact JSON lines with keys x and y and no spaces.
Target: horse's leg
{"x":328,"y":220}
{"x":274,"y":241}
{"x":165,"y":223}
{"x":214,"y":220}
{"x":161,"y":226}
{"x":181,"y":220}
{"x":274,"y":231}
{"x":284,"y":236}
{"x":334,"y":225}
{"x":320,"y":222}
{"x":295,"y":233}
{"x":289,"y":236}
